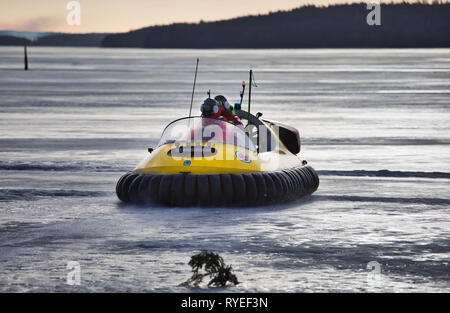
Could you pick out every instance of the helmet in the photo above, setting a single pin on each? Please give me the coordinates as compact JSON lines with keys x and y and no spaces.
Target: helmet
{"x":223,"y":101}
{"x":209,"y":108}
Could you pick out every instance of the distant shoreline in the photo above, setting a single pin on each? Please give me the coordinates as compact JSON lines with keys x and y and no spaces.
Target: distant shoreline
{"x":222,"y":49}
{"x":205,"y":49}
{"x":342,"y":26}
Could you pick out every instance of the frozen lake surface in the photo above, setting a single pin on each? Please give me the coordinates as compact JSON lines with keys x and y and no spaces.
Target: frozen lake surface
{"x":375,"y":124}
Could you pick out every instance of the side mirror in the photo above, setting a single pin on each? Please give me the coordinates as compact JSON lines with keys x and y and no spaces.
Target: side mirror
{"x":150,"y":150}
{"x":258,"y":115}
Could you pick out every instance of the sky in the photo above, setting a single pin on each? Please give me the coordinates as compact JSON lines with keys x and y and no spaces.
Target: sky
{"x":125,"y":15}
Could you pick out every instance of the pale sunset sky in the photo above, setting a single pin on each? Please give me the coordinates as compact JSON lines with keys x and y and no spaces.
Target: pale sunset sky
{"x":125,"y":15}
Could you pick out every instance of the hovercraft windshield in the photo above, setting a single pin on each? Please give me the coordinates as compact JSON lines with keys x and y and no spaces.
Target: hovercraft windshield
{"x":205,"y":130}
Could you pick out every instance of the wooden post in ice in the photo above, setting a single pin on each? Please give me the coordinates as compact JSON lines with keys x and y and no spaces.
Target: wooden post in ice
{"x":26,"y":57}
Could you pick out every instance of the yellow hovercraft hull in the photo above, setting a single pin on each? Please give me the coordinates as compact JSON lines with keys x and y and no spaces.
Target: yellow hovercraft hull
{"x":227,"y":159}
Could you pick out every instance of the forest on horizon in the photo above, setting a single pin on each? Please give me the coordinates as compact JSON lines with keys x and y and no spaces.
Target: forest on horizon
{"x":403,"y":25}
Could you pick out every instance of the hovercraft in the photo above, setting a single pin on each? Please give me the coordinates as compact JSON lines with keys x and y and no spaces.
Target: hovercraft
{"x":209,"y":162}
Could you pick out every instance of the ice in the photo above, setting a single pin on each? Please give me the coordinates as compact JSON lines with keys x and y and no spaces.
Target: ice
{"x":374,"y":123}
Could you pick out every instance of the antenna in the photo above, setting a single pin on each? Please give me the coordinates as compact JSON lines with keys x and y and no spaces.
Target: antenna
{"x":249,"y":95}
{"x":193,"y":88}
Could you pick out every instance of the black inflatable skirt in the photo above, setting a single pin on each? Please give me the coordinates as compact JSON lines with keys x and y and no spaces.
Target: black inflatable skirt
{"x":244,"y":189}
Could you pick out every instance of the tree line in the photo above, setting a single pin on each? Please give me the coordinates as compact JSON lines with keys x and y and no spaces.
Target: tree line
{"x":339,"y":26}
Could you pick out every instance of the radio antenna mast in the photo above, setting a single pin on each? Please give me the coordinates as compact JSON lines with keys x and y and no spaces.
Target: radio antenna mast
{"x":193,"y":88}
